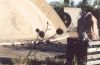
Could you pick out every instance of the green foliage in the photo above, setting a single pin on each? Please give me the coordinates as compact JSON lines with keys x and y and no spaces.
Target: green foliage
{"x":66,"y":3}
{"x":83,"y":3}
{"x":72,"y":3}
{"x":59,"y":8}
{"x":57,"y":4}
{"x":21,"y":61}
{"x":96,"y":4}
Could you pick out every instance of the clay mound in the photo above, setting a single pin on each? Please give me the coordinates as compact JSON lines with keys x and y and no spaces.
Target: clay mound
{"x":19,"y":19}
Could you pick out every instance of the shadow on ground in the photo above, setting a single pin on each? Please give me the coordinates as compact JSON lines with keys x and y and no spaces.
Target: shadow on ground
{"x":52,"y":47}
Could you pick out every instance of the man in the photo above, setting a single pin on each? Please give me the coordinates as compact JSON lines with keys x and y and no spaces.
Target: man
{"x":87,"y":27}
{"x":87,"y":30}
{"x":81,"y":27}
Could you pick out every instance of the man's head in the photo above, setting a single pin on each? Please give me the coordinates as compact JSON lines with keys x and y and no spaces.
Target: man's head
{"x":87,"y":8}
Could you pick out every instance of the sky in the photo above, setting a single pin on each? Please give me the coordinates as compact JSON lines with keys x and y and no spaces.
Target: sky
{"x":76,"y":1}
{"x":55,"y":0}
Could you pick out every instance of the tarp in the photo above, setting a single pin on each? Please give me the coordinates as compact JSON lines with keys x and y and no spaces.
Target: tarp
{"x":19,"y":19}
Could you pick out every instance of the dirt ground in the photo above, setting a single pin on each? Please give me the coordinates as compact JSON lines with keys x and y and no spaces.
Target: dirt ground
{"x":18,"y":50}
{"x":44,"y":51}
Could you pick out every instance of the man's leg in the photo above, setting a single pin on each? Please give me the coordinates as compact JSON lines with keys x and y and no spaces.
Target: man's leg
{"x":70,"y":54}
{"x":81,"y":54}
{"x":70,"y":50}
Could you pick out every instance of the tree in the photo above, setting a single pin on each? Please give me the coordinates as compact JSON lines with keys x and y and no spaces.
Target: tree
{"x":72,"y":3}
{"x":66,"y":3}
{"x":96,"y":4}
{"x":79,"y":4}
{"x":56,"y":4}
{"x":83,"y":3}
